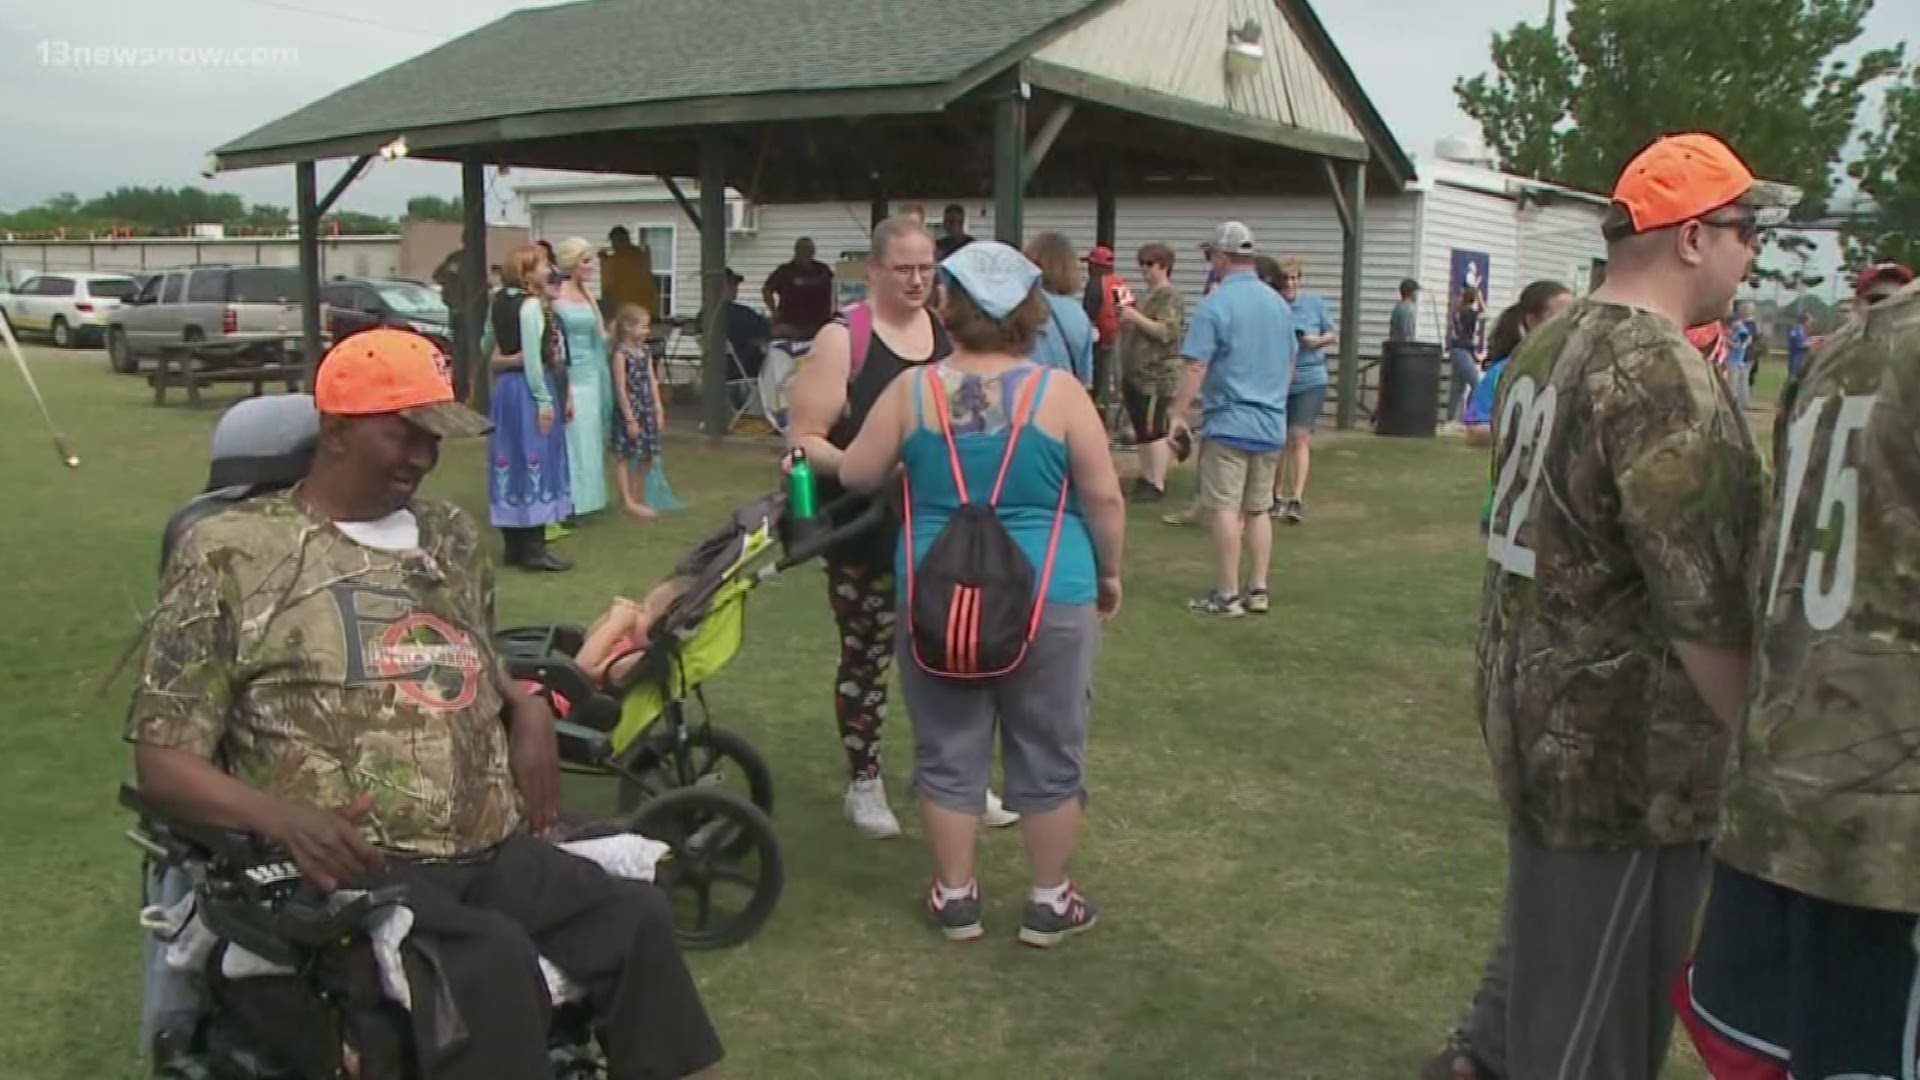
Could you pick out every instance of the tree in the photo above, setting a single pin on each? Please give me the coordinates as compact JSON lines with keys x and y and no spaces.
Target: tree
{"x":1756,"y":72}
{"x":433,"y":208}
{"x":1888,"y":172}
{"x":354,"y":223}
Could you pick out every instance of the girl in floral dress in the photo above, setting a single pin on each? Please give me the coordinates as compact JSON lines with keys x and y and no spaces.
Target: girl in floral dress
{"x":638,"y":413}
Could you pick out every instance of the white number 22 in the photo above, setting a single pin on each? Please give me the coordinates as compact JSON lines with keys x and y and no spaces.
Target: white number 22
{"x":1828,"y":592}
{"x":1528,"y":419}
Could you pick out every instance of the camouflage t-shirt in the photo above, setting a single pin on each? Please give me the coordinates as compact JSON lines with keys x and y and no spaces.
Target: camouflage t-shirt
{"x":1149,"y":364}
{"x":1627,"y":502}
{"x":317,"y":669}
{"x":1824,"y":792}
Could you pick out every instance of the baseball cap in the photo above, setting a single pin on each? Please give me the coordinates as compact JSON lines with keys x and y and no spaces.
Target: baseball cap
{"x":734,"y":275}
{"x":1409,"y":285}
{"x":1231,"y":237}
{"x":389,"y":370}
{"x":1101,"y":255}
{"x":996,"y":277}
{"x":1680,"y":177}
{"x":1878,"y":272}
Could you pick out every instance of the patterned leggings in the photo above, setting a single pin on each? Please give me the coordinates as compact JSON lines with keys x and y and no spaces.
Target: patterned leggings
{"x":863,"y":609}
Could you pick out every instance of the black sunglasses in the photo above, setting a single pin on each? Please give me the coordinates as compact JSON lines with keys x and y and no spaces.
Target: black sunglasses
{"x":1746,"y":226}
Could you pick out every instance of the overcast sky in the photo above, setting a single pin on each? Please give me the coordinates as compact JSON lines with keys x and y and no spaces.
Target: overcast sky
{"x":73,"y":126}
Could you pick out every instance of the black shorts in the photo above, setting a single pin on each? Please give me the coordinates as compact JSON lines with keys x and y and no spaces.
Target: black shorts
{"x":1150,"y":413}
{"x":1789,"y":984}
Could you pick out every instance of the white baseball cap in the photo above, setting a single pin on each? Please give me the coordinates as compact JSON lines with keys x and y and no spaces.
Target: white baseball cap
{"x":1232,"y":238}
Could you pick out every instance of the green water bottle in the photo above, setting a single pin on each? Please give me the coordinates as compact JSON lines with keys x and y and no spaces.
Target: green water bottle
{"x":802,"y":498}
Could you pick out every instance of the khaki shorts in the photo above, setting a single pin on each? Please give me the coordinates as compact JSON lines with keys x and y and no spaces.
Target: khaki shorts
{"x":1232,"y":479}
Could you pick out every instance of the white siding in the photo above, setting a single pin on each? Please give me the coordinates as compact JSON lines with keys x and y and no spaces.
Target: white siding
{"x":1178,"y":48}
{"x":1560,"y":243}
{"x":1456,"y":218}
{"x":1306,"y":227}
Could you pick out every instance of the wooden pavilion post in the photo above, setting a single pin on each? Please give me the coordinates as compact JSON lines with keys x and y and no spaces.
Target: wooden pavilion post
{"x":1353,"y":241}
{"x":1009,"y":162}
{"x":713,"y":286}
{"x":472,"y":381}
{"x":307,"y":217}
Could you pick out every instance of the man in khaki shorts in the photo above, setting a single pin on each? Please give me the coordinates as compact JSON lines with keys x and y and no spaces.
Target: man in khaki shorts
{"x":1239,"y":355}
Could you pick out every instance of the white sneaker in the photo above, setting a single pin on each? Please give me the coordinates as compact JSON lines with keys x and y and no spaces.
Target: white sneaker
{"x":998,"y":816}
{"x":866,"y":806}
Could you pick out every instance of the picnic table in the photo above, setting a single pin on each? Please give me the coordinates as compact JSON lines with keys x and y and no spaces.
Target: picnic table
{"x":182,"y":364}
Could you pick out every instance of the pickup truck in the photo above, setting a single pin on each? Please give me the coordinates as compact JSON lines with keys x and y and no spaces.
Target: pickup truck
{"x":232,"y":316}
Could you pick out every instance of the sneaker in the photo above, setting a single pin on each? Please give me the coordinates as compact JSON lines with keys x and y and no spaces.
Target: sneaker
{"x":1180,"y":519}
{"x":1043,"y":927}
{"x":1296,"y":511}
{"x":556,"y":531}
{"x":1144,"y":492}
{"x":1226,"y":607}
{"x":958,"y":918}
{"x":1258,"y":602}
{"x":866,"y":806}
{"x":997,"y":815}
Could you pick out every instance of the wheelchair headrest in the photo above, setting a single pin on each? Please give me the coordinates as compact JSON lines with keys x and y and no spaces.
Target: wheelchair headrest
{"x":265,"y":443}
{"x":261,"y":445}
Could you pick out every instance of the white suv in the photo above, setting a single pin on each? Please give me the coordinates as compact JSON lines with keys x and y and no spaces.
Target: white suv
{"x":65,"y":306}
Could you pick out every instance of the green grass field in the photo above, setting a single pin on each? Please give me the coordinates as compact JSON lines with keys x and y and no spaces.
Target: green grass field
{"x":1293,"y":834}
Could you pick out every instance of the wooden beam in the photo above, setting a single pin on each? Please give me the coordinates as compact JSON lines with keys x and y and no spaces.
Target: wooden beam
{"x":472,"y":382}
{"x":1049,"y":131}
{"x":1105,"y":211}
{"x":1339,"y":199}
{"x":1119,"y":95}
{"x":1009,"y":170}
{"x":348,"y":177}
{"x":1352,"y":251}
{"x":686,"y":205}
{"x":714,"y":406}
{"x":307,"y":216}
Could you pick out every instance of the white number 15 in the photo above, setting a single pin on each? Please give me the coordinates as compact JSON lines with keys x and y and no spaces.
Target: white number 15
{"x":1828,"y":592}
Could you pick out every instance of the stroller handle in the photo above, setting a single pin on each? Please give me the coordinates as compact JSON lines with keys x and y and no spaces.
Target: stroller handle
{"x":809,"y":542}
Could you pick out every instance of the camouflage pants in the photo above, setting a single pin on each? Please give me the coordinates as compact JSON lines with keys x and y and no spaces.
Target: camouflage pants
{"x":863,"y":611}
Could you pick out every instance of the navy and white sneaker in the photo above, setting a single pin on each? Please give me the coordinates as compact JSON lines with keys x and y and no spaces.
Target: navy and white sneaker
{"x":1224,"y":607}
{"x":957,"y":917}
{"x":1044,"y":926}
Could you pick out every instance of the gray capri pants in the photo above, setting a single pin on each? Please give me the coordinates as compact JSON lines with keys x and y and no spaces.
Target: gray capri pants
{"x":1042,"y":709}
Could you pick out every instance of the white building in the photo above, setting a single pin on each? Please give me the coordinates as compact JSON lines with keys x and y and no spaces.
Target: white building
{"x":1526,"y":230}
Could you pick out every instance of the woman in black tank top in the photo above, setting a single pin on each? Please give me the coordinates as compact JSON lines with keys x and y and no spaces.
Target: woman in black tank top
{"x":860,"y":580}
{"x":527,"y":468}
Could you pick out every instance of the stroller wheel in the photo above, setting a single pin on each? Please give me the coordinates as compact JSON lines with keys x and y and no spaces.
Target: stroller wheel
{"x":726,"y":872}
{"x":712,"y":757}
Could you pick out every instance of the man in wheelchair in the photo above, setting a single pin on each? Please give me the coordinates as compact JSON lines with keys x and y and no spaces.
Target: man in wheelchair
{"x":320,"y":673}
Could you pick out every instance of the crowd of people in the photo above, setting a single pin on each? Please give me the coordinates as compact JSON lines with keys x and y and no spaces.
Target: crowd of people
{"x":1682,"y":678}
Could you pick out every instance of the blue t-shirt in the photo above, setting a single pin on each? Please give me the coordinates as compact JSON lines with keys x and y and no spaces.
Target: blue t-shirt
{"x":1797,"y":344}
{"x":1040,"y":466}
{"x":1066,"y":339}
{"x":1310,"y":315}
{"x":1243,"y":333}
{"x":1739,"y":341}
{"x":1479,"y":408}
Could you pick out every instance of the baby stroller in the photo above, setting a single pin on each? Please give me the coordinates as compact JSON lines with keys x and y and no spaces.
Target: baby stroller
{"x":698,"y":787}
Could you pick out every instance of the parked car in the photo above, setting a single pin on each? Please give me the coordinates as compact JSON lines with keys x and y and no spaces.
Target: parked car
{"x":66,"y":307}
{"x":231,"y":315}
{"x":356,"y":303}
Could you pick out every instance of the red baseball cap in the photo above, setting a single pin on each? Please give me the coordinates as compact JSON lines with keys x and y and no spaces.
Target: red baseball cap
{"x":1680,"y":177}
{"x":1101,"y":255}
{"x":1878,"y":272}
{"x":388,"y":370}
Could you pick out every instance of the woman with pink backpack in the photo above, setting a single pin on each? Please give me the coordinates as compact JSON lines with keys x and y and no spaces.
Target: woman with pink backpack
{"x":1008,"y":564}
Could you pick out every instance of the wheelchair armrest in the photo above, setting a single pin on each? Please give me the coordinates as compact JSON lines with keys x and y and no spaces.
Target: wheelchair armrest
{"x":185,"y":839}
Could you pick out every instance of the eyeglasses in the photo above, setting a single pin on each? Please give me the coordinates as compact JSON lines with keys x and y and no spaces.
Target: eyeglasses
{"x":909,"y":271}
{"x":1747,"y":227}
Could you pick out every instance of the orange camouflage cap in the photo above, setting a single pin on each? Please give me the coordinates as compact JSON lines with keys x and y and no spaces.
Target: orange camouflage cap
{"x":388,"y":370}
{"x":1680,"y":177}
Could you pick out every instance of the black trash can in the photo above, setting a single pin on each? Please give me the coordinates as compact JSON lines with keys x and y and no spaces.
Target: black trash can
{"x":1409,"y":404}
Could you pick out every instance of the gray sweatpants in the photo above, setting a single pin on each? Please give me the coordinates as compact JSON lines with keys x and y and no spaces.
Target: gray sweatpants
{"x":1576,"y":986}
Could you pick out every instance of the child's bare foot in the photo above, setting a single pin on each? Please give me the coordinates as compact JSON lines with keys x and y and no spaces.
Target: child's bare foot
{"x":642,"y":512}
